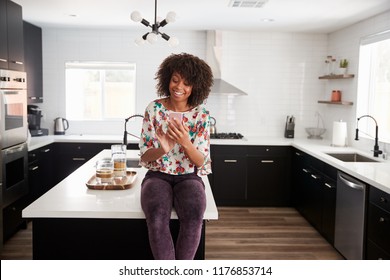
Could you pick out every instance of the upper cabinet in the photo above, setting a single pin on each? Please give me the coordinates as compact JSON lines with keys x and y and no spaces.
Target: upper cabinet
{"x":11,"y":36}
{"x":33,"y":61}
{"x":3,"y":35}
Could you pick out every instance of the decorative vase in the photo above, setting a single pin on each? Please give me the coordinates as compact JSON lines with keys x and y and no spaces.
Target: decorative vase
{"x":341,"y":71}
{"x":336,"y":96}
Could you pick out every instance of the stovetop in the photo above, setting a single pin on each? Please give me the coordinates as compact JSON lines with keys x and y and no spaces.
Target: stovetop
{"x":229,"y":135}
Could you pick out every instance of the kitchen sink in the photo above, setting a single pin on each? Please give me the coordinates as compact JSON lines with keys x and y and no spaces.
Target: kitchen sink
{"x":130,"y":162}
{"x":351,"y":157}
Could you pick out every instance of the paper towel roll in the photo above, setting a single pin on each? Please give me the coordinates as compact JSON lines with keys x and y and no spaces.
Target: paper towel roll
{"x":339,"y":134}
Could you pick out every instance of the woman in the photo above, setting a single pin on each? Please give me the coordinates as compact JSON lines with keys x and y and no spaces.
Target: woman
{"x":175,"y":147}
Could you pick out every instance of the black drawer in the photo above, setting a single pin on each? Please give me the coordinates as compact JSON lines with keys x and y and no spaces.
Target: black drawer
{"x":222,"y":150}
{"x":82,"y":148}
{"x":330,"y":171}
{"x":380,"y":198}
{"x":12,"y":218}
{"x":373,"y":252}
{"x":33,"y":157}
{"x":378,"y":226}
{"x":268,"y":150}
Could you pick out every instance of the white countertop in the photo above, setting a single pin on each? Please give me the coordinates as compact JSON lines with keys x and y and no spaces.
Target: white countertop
{"x":376,"y":174}
{"x":72,"y":199}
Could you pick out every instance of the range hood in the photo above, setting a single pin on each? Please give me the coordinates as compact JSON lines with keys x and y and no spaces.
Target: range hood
{"x":213,"y":58}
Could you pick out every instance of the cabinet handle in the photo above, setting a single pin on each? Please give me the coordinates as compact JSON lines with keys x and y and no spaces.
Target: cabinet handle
{"x":305,"y":170}
{"x":298,"y":154}
{"x":382,"y":220}
{"x":314,"y":176}
{"x":3,"y":60}
{"x":329,"y":186}
{"x":17,"y":62}
{"x":383,"y":200}
{"x":78,"y":159}
{"x":34,"y":168}
{"x":267,"y":161}
{"x":230,"y":160}
{"x":46,"y":151}
{"x":32,"y":97}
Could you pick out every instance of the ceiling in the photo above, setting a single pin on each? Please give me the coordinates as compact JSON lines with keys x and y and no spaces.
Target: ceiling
{"x":315,"y":16}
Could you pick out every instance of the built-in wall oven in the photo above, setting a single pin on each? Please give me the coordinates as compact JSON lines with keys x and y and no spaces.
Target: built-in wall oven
{"x":13,"y":108}
{"x":13,"y":138}
{"x":15,"y":170}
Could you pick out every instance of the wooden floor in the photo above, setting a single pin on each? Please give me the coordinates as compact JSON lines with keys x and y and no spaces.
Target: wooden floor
{"x":265,"y":234}
{"x":240,"y":233}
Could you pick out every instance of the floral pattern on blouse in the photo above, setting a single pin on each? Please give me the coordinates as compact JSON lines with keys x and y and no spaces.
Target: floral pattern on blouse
{"x":176,"y":162}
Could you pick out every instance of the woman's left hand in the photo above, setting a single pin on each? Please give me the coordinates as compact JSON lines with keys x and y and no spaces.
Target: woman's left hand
{"x":178,"y":132}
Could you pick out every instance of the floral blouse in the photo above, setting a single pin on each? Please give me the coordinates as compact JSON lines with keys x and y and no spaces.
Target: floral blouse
{"x":176,"y":162}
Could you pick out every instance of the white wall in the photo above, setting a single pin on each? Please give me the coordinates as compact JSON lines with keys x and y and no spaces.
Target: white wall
{"x":62,"y":45}
{"x":279,"y":71}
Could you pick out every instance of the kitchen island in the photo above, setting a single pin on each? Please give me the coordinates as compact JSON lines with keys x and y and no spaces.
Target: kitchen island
{"x":71,"y":221}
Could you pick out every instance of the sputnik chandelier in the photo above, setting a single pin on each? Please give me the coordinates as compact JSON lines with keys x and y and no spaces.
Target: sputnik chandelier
{"x":151,"y":37}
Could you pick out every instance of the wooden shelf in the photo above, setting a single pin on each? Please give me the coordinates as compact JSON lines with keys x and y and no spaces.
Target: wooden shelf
{"x":335,"y":103}
{"x":334,"y":77}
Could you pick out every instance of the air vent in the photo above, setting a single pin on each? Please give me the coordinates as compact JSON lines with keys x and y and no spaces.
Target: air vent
{"x":247,"y":4}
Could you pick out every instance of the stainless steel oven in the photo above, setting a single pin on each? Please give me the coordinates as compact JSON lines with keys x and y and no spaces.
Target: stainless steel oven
{"x":13,"y":108}
{"x":14,"y":169}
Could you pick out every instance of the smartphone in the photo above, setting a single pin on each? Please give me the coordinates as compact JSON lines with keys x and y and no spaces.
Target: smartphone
{"x":175,"y":115}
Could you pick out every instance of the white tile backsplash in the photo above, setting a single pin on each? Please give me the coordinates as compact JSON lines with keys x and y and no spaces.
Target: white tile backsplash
{"x":279,"y":71}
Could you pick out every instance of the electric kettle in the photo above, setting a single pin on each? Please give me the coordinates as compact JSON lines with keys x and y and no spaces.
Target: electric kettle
{"x":60,"y":125}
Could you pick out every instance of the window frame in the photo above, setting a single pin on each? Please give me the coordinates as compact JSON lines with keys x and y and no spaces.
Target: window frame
{"x":365,"y":96}
{"x":102,"y":66}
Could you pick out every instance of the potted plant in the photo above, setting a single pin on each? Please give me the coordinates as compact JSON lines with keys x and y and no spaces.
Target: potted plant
{"x":343,"y":66}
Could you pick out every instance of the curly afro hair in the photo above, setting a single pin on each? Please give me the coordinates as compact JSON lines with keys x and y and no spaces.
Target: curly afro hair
{"x":194,"y":70}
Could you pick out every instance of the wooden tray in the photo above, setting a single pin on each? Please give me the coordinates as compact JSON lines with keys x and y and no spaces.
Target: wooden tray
{"x":118,"y":184}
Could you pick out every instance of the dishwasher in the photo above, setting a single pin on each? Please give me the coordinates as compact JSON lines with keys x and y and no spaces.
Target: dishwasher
{"x":350,"y":211}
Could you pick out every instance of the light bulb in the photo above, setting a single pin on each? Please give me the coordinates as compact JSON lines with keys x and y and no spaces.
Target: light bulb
{"x":139,"y":41}
{"x":136,"y":16}
{"x":171,"y":17}
{"x":159,"y":19}
{"x":173,"y":42}
{"x":152,"y":38}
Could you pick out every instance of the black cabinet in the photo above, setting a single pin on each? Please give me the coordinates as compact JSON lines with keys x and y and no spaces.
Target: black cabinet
{"x":268,"y":176}
{"x":329,"y":185}
{"x":70,"y":156}
{"x":41,"y":176}
{"x":378,"y":225}
{"x":12,"y":217}
{"x":33,"y":62}
{"x":229,"y":175}
{"x":11,"y":35}
{"x":3,"y":35}
{"x":314,"y":192}
{"x":250,"y":175}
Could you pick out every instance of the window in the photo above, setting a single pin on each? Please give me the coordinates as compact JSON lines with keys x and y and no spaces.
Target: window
{"x":374,"y":85}
{"x":99,"y":90}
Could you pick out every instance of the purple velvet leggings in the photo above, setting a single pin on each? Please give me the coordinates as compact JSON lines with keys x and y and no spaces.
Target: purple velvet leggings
{"x":160,"y":192}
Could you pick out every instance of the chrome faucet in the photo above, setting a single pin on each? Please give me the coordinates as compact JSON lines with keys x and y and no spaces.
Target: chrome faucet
{"x":377,"y":152}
